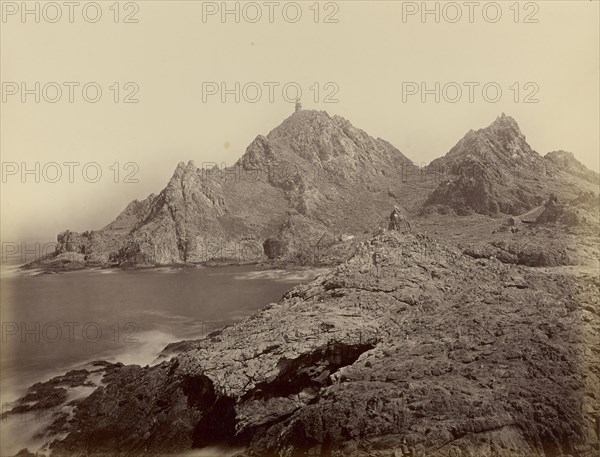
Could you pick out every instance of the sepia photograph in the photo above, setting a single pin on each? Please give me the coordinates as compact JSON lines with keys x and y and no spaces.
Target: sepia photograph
{"x":350,"y":228}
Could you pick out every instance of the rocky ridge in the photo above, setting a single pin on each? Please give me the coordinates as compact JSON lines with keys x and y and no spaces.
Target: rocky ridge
{"x":296,"y":192}
{"x":302,"y":173}
{"x":494,"y":170}
{"x":566,"y":161}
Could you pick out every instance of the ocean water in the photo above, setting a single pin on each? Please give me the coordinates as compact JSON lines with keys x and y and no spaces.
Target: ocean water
{"x":55,"y":322}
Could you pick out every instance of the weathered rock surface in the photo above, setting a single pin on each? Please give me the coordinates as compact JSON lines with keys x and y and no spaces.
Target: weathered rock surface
{"x":409,"y":338}
{"x":494,"y":170}
{"x":580,"y":215}
{"x":312,"y":180}
{"x":557,"y":233}
{"x":566,"y":161}
{"x":533,"y":253}
{"x":316,"y":169}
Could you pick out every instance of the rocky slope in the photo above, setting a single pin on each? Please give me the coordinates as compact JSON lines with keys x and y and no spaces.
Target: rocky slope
{"x":566,"y":161}
{"x":494,"y":170}
{"x":408,"y":339}
{"x":314,"y":170}
{"x":580,"y":215}
{"x":559,"y":232}
{"x":296,"y":192}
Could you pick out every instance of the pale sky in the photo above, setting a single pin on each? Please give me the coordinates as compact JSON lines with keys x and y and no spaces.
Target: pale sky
{"x":368,"y":55}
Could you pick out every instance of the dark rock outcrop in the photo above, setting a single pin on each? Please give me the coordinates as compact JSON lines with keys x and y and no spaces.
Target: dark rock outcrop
{"x":532,"y":253}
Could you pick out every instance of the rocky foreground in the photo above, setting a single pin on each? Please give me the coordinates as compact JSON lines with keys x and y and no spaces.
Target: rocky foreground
{"x":407,"y":340}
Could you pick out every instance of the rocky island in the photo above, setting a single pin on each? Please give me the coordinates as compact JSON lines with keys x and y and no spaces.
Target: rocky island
{"x":296,"y":193}
{"x":478,"y":334}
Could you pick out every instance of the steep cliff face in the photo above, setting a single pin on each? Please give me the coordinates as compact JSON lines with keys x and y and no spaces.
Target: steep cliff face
{"x":181,"y":222}
{"x":502,"y":144}
{"x":409,"y":339}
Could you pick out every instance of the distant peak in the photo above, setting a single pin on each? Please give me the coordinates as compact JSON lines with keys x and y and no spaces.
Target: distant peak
{"x":305,"y":120}
{"x":309,"y":114}
{"x":504,"y":121}
{"x":183,"y":169}
{"x":503,"y":127}
{"x":566,"y":161}
{"x":561,"y":153}
{"x":182,"y":165}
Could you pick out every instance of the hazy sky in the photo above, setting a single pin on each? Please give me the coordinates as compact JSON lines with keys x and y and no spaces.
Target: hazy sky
{"x":368,"y":55}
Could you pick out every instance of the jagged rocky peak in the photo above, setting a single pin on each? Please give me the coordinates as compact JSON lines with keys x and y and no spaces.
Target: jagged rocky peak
{"x":505,"y":122}
{"x":318,"y":137}
{"x":503,"y":126}
{"x":137,"y":207}
{"x":304,"y":133}
{"x":481,"y":164}
{"x":314,"y":138}
{"x":188,"y":178}
{"x":259,"y":155}
{"x":310,"y":123}
{"x":190,"y":184}
{"x":313,"y":135}
{"x":507,"y":131}
{"x":184,"y":169}
{"x":503,"y":137}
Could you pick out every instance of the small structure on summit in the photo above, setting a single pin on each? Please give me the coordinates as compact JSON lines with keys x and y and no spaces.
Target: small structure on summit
{"x":398,"y":221}
{"x":298,"y":106}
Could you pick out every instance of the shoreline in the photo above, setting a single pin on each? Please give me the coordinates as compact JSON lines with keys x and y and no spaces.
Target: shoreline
{"x":35,"y":269}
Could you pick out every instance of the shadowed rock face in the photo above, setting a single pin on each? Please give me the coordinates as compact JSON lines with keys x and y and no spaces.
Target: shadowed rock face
{"x":494,"y":170}
{"x":407,"y":339}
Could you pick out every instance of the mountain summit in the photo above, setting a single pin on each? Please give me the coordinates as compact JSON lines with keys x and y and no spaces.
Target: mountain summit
{"x":322,"y":142}
{"x":316,"y":177}
{"x":494,"y":170}
{"x":502,"y":138}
